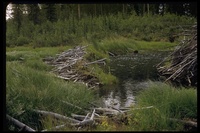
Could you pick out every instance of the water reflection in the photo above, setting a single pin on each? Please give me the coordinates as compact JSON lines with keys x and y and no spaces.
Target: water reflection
{"x":133,"y":72}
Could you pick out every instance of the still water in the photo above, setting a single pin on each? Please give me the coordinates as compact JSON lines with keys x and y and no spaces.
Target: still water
{"x":133,"y":72}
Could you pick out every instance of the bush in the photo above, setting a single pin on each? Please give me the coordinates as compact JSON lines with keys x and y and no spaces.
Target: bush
{"x":21,"y":40}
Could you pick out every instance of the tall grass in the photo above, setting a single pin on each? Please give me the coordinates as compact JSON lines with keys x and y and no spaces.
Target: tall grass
{"x":28,"y":89}
{"x":29,"y":85}
{"x":168,"y":102}
{"x":120,"y":45}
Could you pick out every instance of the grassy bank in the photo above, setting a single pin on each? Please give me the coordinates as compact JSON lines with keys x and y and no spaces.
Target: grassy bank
{"x":28,"y":88}
{"x":29,"y":85}
{"x":168,"y":102}
{"x":158,"y":108}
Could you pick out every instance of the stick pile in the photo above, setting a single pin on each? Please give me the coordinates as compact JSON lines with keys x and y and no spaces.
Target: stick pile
{"x":71,"y":65}
{"x":183,"y":62}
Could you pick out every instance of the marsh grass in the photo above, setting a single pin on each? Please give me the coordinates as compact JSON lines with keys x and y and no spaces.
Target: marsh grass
{"x":29,"y":85}
{"x":168,"y":102}
{"x":120,"y":45}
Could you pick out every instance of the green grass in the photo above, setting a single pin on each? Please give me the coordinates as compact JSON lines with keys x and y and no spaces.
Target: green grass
{"x":167,"y":102}
{"x":28,"y":89}
{"x":120,"y":45}
{"x":29,"y":85}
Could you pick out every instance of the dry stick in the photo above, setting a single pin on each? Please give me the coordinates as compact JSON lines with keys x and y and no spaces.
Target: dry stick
{"x":20,"y":124}
{"x":103,"y":110}
{"x":79,"y":117}
{"x":92,"y":116}
{"x":86,"y":121}
{"x":86,"y":117}
{"x":56,"y":127}
{"x":97,"y":61}
{"x":143,"y":107}
{"x":61,"y":117}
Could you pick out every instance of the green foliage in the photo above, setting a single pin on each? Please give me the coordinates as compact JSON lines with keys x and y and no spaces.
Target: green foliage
{"x":72,"y":31}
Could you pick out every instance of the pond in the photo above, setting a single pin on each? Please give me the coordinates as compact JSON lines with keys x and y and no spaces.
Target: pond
{"x":133,"y":72}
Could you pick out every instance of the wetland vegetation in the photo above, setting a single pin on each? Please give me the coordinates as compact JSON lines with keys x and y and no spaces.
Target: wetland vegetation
{"x":132,"y":41}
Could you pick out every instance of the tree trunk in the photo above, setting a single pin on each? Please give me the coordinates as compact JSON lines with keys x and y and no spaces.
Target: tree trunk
{"x":143,"y":9}
{"x":79,"y":12}
{"x":101,"y":9}
{"x":95,"y":10}
{"x":148,"y":9}
{"x":123,"y":8}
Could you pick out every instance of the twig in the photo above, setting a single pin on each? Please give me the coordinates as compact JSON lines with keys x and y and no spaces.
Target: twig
{"x":97,"y":61}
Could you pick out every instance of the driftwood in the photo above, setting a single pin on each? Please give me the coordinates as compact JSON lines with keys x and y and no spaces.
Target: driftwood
{"x":183,"y":67}
{"x":20,"y":124}
{"x":70,"y":65}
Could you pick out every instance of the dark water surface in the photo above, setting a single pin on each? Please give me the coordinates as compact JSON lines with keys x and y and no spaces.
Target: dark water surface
{"x":133,"y":72}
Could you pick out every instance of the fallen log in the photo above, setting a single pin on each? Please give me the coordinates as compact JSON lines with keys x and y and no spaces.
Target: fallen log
{"x":20,"y":124}
{"x":61,"y":117}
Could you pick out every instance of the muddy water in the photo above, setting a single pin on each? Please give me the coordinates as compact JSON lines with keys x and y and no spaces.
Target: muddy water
{"x":133,"y":72}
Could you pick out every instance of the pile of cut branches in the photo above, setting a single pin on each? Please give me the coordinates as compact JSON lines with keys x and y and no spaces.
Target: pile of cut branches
{"x":182,"y":63}
{"x":71,"y":65}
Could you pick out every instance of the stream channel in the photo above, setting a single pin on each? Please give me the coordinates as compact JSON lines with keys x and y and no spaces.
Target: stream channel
{"x":133,"y":72}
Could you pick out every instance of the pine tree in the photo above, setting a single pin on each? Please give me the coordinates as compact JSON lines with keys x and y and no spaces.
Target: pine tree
{"x":33,"y":13}
{"x":17,"y":16}
{"x":51,"y":12}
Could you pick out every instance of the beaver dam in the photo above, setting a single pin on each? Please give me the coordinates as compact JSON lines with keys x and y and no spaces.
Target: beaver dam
{"x":181,"y":65}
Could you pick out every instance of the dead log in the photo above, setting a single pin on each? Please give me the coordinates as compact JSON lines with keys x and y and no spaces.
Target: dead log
{"x":20,"y":124}
{"x":61,"y":117}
